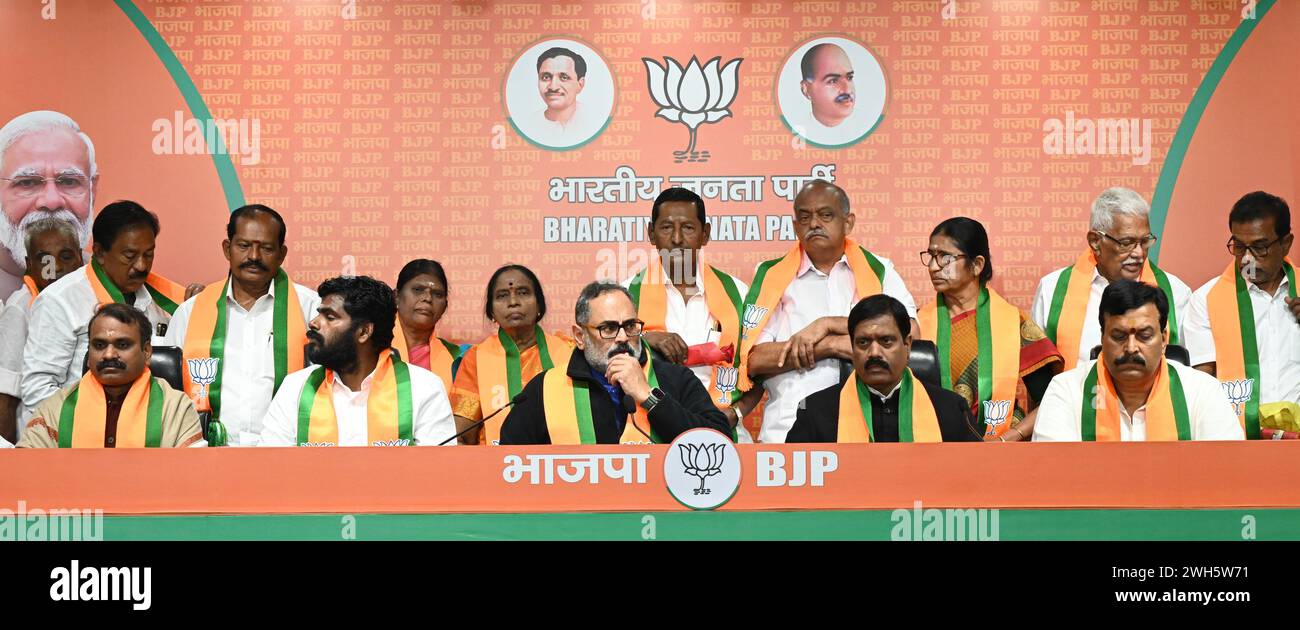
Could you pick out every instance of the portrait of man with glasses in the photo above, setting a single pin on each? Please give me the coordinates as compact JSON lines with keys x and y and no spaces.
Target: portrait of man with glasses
{"x":614,"y":390}
{"x":47,"y":170}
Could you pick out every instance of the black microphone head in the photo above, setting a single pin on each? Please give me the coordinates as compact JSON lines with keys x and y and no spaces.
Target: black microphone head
{"x":629,"y":405}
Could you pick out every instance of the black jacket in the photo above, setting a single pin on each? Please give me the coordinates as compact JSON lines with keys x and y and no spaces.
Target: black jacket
{"x":687,"y":406}
{"x":818,"y":418}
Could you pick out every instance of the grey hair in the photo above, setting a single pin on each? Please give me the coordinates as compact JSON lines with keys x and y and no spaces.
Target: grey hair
{"x":63,"y":227}
{"x":582,"y":312}
{"x":840,"y":195}
{"x":1113,"y":201}
{"x":43,"y":120}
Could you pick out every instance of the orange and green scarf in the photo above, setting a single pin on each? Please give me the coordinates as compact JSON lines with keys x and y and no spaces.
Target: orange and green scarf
{"x":1167,"y":417}
{"x":205,"y":340}
{"x":998,"y":332}
{"x":389,"y":411}
{"x":500,"y":372}
{"x":917,"y":420}
{"x":1236,"y":351}
{"x":166,"y":294}
{"x":772,"y":279}
{"x":567,"y":405}
{"x":31,"y":288}
{"x":442,"y":355}
{"x":83,"y":416}
{"x":650,"y":297}
{"x":1065,"y":319}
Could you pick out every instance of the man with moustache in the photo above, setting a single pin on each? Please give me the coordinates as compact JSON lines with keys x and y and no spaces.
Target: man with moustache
{"x":121,"y":271}
{"x":1132,"y":393}
{"x":47,"y":170}
{"x":117,"y":403}
{"x":561,"y":77}
{"x":613,"y":391}
{"x":828,"y":84}
{"x":358,"y":393}
{"x":882,"y":401}
{"x":1119,"y":235}
{"x":245,"y":333}
{"x":692,"y":309}
{"x":795,"y":339}
{"x":1244,"y":325}
{"x":53,"y":251}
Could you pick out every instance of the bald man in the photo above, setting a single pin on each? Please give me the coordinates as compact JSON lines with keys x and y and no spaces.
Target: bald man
{"x":828,"y":83}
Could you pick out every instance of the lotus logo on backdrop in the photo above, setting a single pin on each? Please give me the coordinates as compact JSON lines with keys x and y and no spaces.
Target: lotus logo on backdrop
{"x":692,"y":95}
{"x":702,"y":469}
{"x":203,"y":372}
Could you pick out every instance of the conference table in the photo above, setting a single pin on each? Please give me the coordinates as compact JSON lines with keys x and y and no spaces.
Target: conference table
{"x":1100,"y":491}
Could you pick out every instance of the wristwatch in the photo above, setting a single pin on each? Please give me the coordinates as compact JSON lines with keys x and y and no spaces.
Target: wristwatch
{"x":653,"y":399}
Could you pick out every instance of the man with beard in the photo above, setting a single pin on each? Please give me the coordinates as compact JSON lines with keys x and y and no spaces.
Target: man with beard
{"x":882,"y":401}
{"x":1133,"y":393}
{"x":1119,"y":235}
{"x":245,"y":333}
{"x":612,"y":391}
{"x":828,"y":83}
{"x":52,"y":252}
{"x":358,"y":393}
{"x":121,"y":271}
{"x":691,"y":309}
{"x":47,"y":169}
{"x":118,"y":403}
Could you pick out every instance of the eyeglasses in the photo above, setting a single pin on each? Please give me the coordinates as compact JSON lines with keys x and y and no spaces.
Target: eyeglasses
{"x":609,"y":330}
{"x":944,"y":258}
{"x":31,"y":185}
{"x":1237,"y":248}
{"x":1125,"y":246}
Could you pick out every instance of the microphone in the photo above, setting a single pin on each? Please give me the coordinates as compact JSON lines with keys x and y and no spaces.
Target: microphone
{"x":514,"y":401}
{"x":629,"y":407}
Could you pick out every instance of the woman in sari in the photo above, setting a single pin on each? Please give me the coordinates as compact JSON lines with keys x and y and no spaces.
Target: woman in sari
{"x":990,"y":352}
{"x":421,"y":303}
{"x":493,"y":372}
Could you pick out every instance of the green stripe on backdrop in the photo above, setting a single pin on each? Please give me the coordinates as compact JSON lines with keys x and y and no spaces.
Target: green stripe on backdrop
{"x":198,"y":109}
{"x":1191,"y":119}
{"x":1267,"y":524}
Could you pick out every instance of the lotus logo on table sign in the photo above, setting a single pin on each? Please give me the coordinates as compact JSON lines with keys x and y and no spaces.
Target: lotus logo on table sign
{"x":203,"y":372}
{"x":702,"y":469}
{"x":692,"y":95}
{"x":1238,"y":392}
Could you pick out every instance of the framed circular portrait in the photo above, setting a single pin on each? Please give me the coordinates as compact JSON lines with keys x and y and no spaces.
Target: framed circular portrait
{"x":832,"y":91}
{"x":559,"y":94}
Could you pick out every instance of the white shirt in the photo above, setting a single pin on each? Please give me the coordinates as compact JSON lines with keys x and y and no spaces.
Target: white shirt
{"x":1090,"y":336}
{"x":248,"y":375}
{"x":1277,"y":335}
{"x":1060,"y":415}
{"x":57,"y":335}
{"x":13,"y":336}
{"x":21,"y":298}
{"x":691,"y":320}
{"x":545,"y":131}
{"x":813,"y":295}
{"x":431,"y":420}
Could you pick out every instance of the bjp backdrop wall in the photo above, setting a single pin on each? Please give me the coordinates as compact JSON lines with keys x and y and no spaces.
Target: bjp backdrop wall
{"x":385,"y":131}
